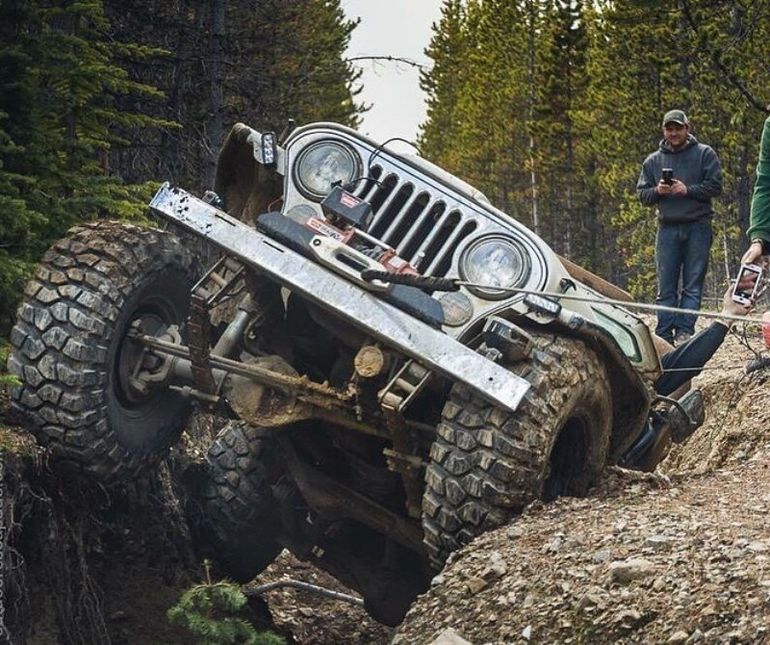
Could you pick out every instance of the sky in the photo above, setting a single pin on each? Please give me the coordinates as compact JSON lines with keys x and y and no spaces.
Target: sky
{"x":400,"y":28}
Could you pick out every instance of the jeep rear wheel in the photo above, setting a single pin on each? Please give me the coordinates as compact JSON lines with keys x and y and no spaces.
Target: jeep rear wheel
{"x":240,"y":521}
{"x":73,"y":356}
{"x":488,"y":463}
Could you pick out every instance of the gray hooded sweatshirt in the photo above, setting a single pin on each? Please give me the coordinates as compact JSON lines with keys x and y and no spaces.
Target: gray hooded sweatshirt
{"x":697,"y":166}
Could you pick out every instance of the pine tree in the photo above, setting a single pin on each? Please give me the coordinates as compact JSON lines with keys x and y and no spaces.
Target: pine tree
{"x":275,"y":60}
{"x":176,"y":40}
{"x":443,"y":84}
{"x":482,"y":99}
{"x":58,"y":84}
{"x":492,"y":146}
{"x":290,"y":62}
{"x":566,"y":195}
{"x":20,"y":225}
{"x":210,"y":612}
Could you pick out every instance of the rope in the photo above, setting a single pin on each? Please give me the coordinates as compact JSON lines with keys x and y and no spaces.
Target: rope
{"x":448,"y":284}
{"x":707,"y":367}
{"x":635,"y":305}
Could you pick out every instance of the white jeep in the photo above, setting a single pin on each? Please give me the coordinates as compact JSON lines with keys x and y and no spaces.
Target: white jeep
{"x":377,"y":331}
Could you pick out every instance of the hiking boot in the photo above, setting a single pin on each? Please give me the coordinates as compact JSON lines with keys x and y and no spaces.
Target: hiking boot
{"x":681,"y":337}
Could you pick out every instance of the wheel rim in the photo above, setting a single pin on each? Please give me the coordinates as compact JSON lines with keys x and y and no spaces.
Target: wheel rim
{"x":568,"y":457}
{"x":159,"y":304}
{"x":131,"y":353}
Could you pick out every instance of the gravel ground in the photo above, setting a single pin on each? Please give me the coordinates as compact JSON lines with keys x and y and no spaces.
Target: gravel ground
{"x":307,"y":617}
{"x":679,"y":556}
{"x":650,"y":560}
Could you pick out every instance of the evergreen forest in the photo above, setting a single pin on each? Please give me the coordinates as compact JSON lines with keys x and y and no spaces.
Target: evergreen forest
{"x":101,"y":100}
{"x":550,"y":107}
{"x":547,"y":106}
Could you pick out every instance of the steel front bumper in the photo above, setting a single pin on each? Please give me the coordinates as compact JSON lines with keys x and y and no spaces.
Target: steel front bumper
{"x":397,"y":329}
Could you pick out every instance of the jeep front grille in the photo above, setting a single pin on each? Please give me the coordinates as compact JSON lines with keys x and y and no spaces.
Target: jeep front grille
{"x":415,"y":221}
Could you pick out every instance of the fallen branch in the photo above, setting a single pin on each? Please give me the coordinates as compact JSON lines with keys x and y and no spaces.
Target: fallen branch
{"x":258,"y":590}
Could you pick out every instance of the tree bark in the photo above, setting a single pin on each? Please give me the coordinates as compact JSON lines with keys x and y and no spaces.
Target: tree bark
{"x":214,"y":125}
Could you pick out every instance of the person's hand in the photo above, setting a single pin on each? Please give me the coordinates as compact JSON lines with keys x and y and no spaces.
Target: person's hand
{"x":732,"y":308}
{"x":678,"y":188}
{"x":752,"y":254}
{"x":663,"y":188}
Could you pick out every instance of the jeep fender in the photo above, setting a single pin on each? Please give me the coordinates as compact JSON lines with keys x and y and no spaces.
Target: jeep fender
{"x":247,"y":187}
{"x":631,"y":394}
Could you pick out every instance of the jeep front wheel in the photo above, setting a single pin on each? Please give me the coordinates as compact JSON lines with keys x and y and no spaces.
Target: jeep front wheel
{"x":73,"y":355}
{"x":487,"y":464}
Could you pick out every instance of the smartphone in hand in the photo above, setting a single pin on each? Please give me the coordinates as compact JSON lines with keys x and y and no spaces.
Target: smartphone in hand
{"x":747,"y":284}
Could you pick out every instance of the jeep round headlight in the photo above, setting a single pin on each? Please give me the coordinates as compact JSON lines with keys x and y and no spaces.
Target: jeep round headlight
{"x":495,"y":261}
{"x":323,"y":164}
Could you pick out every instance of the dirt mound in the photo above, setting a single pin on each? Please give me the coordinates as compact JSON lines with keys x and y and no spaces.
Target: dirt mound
{"x":82,"y":563}
{"x":737,"y":409}
{"x":680,"y":557}
{"x":661,"y":562}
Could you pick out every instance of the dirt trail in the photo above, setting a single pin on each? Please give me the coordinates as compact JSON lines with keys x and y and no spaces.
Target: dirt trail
{"x":681,"y":557}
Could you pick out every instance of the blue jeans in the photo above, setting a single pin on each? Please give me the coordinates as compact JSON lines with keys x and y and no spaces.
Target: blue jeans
{"x":681,"y":250}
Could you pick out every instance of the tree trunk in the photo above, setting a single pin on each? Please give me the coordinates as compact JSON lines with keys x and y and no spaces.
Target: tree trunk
{"x":532,"y":99}
{"x":214,"y":124}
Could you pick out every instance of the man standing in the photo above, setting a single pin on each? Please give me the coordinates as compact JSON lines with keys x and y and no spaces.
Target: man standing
{"x":759,"y":224}
{"x":682,"y":196}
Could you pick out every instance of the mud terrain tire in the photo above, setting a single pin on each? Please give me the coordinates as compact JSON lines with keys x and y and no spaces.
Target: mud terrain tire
{"x":239,"y":514}
{"x":69,"y":337}
{"x":488,"y":463}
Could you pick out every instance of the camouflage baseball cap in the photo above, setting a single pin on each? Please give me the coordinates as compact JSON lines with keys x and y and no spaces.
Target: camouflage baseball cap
{"x":675,"y":116}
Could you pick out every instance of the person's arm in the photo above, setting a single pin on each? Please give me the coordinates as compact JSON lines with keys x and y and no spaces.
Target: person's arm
{"x":690,"y":357}
{"x":646,"y":186}
{"x":711,"y":184}
{"x":759,"y":229}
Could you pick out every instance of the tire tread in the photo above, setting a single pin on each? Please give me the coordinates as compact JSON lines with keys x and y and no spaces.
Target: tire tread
{"x":488,"y":463}
{"x":62,"y":336}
